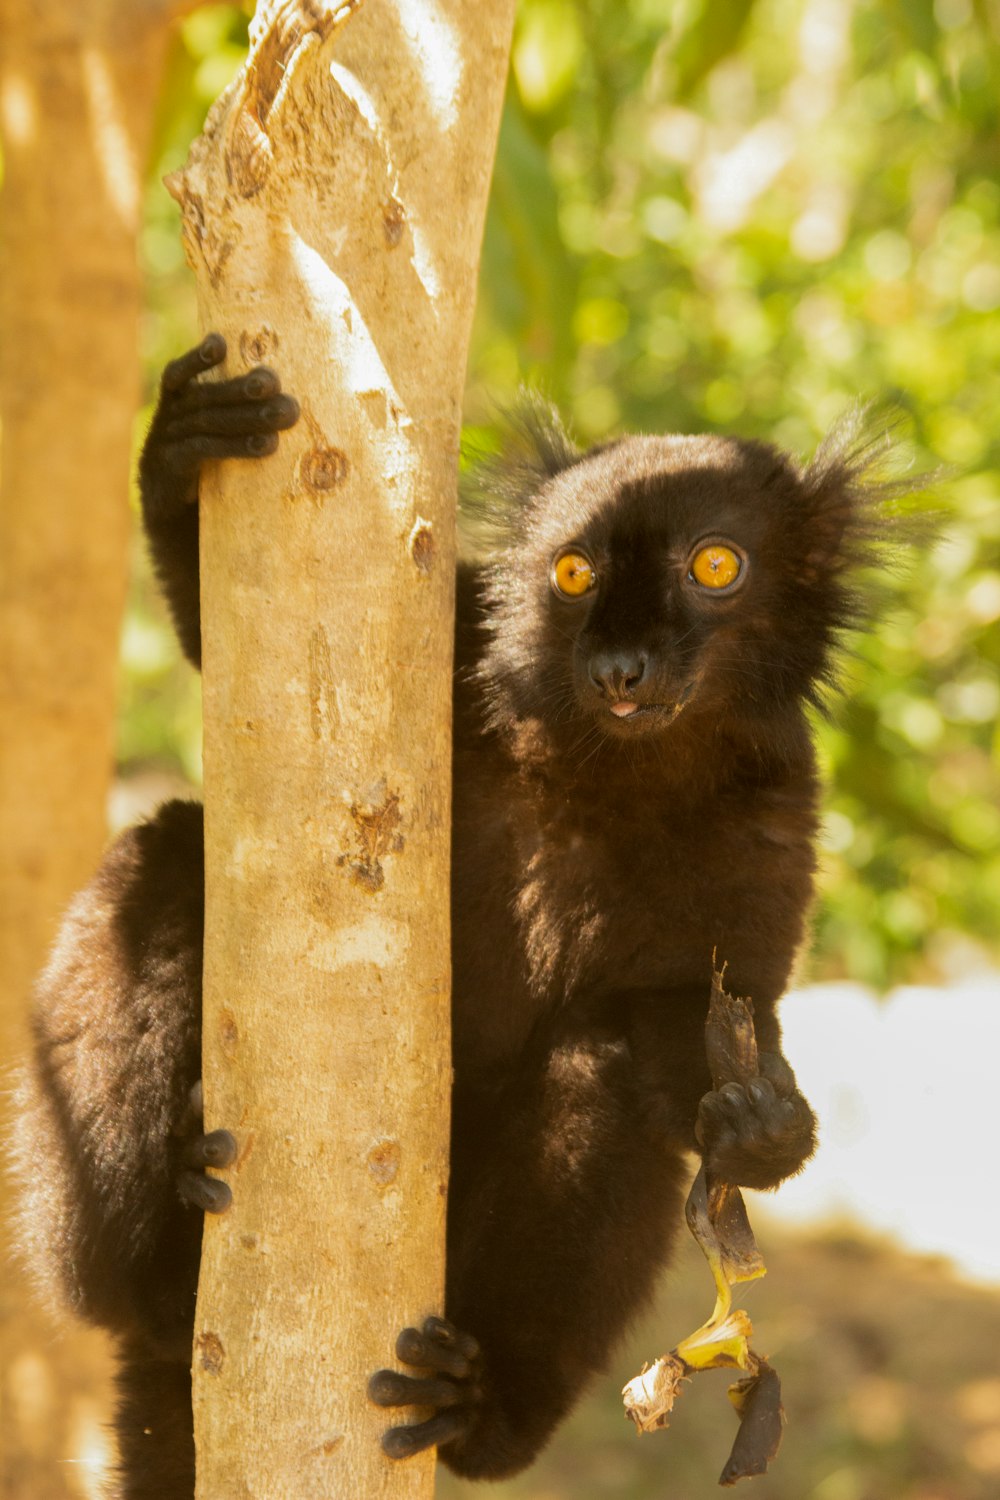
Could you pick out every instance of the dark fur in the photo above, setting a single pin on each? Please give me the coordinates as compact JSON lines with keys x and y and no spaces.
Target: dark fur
{"x":597,"y":868}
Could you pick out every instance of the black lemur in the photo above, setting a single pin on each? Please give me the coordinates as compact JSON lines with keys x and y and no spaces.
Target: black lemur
{"x":635,"y":791}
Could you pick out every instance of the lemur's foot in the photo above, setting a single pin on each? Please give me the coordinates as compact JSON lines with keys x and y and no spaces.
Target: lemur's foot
{"x":450,"y":1386}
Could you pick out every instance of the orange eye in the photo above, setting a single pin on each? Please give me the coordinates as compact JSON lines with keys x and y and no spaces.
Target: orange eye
{"x":716,"y":566}
{"x":572,"y":575}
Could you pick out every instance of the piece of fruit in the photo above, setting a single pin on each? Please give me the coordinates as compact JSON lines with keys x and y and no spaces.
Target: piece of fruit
{"x":717,"y":1217}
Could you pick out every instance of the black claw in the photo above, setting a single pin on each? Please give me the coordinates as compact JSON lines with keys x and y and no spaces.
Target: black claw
{"x":450,"y":1337}
{"x":761,"y":1092}
{"x":212,"y":349}
{"x":261,"y":382}
{"x":206,"y":1193}
{"x":217,"y":1149}
{"x":282,"y":412}
{"x":210,"y":352}
{"x":383,"y":1387}
{"x":415,"y":1347}
{"x":220,"y":1148}
{"x":410,"y":1347}
{"x":404,"y":1442}
{"x":390,"y":1388}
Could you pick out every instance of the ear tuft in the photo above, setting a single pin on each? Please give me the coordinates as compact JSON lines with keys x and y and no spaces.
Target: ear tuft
{"x":853,"y":488}
{"x":497,"y":486}
{"x":859,"y":531}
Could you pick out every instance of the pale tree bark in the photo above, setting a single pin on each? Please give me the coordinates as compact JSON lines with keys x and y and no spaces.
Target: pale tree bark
{"x":333,"y":214}
{"x":78,"y":82}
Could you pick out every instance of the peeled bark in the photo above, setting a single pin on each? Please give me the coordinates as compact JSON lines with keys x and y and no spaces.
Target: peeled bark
{"x":78,"y":82}
{"x":333,"y":214}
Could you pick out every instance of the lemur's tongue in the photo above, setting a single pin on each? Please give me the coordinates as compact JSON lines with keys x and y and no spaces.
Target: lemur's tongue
{"x":622,"y":710}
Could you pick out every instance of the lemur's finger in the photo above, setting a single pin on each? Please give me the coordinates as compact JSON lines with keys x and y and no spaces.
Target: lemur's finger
{"x":209,"y":353}
{"x":194,"y":419}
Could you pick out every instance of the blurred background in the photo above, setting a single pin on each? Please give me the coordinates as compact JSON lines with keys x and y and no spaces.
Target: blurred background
{"x":739,"y":216}
{"x":745,"y":215}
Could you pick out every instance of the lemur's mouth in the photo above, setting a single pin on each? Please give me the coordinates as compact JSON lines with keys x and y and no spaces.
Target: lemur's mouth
{"x":628,"y":711}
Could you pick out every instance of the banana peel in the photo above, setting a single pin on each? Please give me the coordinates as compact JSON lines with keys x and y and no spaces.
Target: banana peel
{"x":717,"y":1217}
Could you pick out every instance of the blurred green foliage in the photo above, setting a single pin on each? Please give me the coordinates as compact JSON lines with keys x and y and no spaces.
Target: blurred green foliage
{"x":721,"y":214}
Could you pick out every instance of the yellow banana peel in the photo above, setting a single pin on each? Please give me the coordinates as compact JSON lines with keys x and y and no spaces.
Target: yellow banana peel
{"x":717,"y":1217}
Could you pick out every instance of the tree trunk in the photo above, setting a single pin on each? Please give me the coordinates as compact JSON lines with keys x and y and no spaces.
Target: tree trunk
{"x":77,"y":86}
{"x":77,"y":89}
{"x":333,"y":214}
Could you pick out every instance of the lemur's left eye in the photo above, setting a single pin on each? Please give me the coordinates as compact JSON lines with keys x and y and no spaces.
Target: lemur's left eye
{"x":716,"y":566}
{"x":572,"y":574}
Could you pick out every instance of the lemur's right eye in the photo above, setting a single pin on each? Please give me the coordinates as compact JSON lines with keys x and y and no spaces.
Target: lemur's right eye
{"x":572,"y":574}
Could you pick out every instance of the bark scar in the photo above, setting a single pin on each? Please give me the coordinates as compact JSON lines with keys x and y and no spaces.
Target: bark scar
{"x":376,"y":831}
{"x":211,"y":1352}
